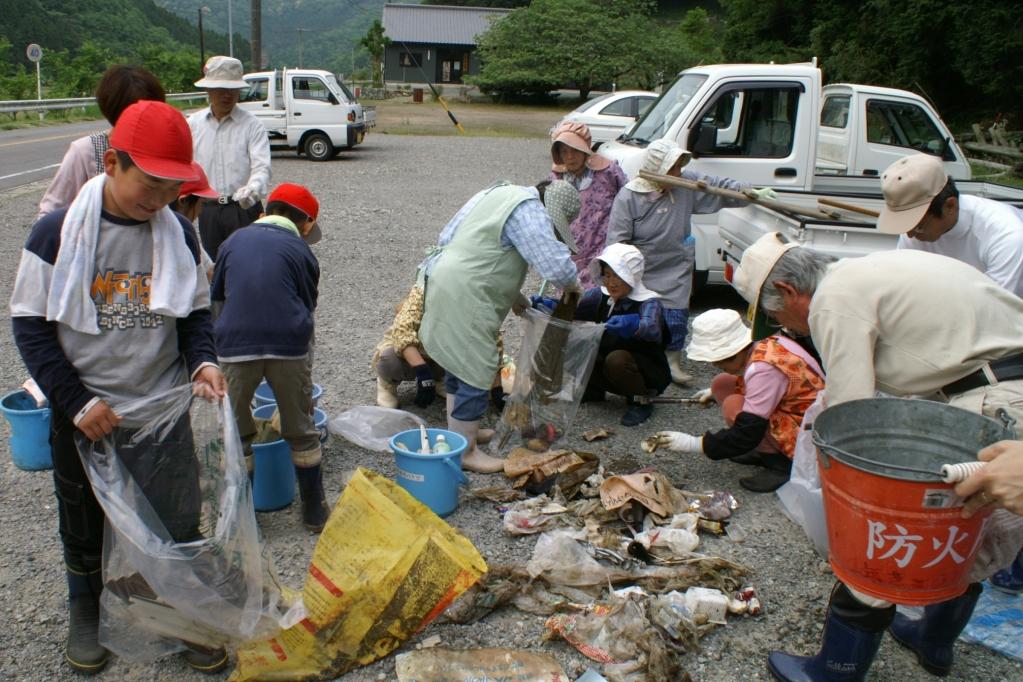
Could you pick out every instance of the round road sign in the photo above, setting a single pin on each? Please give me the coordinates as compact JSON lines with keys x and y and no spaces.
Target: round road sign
{"x":34,"y":52}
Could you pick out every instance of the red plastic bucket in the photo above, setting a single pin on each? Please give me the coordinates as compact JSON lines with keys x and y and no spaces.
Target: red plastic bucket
{"x":894,"y":528}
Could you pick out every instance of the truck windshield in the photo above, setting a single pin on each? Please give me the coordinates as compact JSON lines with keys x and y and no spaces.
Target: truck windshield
{"x":664,"y":112}
{"x":338,"y":87}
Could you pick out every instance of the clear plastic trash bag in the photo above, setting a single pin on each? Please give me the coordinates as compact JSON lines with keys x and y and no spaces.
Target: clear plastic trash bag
{"x":372,"y":427}
{"x":552,"y":369}
{"x":182,"y":561}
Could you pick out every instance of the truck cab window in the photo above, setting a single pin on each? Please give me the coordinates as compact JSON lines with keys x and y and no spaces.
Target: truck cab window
{"x":748,"y":121}
{"x":622,"y":107}
{"x":258,"y":90}
{"x":310,"y":88}
{"x":904,"y":125}
{"x":835,"y":112}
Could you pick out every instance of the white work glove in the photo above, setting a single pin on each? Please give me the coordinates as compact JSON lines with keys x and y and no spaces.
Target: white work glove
{"x":679,"y":442}
{"x":703,"y":396}
{"x":520,"y":304}
{"x":245,"y":196}
{"x":575,"y":286}
{"x":763,"y":193}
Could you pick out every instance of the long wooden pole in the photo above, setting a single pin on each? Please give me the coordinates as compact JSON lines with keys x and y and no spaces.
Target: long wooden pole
{"x":700,"y":186}
{"x":848,"y":207}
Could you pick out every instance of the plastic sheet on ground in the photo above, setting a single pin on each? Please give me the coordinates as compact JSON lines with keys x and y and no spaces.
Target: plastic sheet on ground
{"x":182,"y":559}
{"x":997,"y":623}
{"x":384,"y":567}
{"x":450,"y":665}
{"x":550,"y":379}
{"x":372,"y":427}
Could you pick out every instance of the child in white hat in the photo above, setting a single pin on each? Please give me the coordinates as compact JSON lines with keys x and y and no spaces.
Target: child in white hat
{"x":764,"y":389}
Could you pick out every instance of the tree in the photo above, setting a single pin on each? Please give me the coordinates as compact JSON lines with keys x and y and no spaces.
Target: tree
{"x":556,"y":43}
{"x":375,"y":43}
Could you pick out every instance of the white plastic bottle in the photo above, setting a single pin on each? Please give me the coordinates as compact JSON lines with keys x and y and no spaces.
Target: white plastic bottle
{"x":441,"y":445}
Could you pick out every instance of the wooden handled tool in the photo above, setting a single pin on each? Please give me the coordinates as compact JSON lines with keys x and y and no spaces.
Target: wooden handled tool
{"x":848,"y":207}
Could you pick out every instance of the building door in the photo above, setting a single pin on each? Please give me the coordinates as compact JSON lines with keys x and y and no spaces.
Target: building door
{"x":450,"y":65}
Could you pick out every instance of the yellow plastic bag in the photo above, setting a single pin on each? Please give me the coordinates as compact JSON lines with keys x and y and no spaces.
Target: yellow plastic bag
{"x":383,"y":568}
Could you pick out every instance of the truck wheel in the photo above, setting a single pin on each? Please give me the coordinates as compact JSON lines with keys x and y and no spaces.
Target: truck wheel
{"x":318,"y":147}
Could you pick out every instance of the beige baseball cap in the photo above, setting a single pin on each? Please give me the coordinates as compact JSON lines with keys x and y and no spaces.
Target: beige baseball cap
{"x":908,"y":186}
{"x":756,"y":264}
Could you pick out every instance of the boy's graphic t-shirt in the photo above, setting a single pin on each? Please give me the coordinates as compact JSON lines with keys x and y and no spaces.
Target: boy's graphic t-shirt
{"x":136,"y":352}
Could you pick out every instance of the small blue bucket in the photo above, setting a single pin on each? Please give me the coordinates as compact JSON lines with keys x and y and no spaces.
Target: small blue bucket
{"x":431,"y":479}
{"x":30,"y":431}
{"x":273,"y":484}
{"x":265,"y":395}
{"x":320,"y":420}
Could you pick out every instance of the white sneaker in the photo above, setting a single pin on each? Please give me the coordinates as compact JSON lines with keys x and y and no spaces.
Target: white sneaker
{"x":387,"y":394}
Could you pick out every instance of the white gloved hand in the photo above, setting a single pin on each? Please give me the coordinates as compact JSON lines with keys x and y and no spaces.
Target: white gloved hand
{"x":703,"y":396}
{"x":575,"y":286}
{"x":245,"y":196}
{"x":763,"y":193}
{"x":520,"y":304}
{"x":679,"y":442}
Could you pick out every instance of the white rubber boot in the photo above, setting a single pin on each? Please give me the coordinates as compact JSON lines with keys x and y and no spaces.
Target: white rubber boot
{"x":387,"y":394}
{"x":678,"y":375}
{"x":474,"y":459}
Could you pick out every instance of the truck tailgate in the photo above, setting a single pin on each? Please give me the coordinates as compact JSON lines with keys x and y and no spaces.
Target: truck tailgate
{"x":370,"y":116}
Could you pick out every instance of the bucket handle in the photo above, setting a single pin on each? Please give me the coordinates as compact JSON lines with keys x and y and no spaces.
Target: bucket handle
{"x":826,"y":449}
{"x":459,"y":474}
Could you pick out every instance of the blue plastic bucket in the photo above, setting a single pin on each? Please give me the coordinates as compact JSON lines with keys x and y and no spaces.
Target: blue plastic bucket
{"x":320,"y":420}
{"x":431,"y":479}
{"x":30,"y":431}
{"x":273,"y":483}
{"x":265,"y":395}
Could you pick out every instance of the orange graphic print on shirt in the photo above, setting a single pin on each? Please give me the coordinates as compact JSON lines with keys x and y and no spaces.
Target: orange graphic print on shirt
{"x":122,"y":300}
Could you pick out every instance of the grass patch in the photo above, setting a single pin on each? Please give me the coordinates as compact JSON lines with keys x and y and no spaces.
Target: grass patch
{"x":987,"y":173}
{"x":400,"y":116}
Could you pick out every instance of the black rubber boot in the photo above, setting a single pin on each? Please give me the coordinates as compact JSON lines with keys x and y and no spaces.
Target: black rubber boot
{"x":310,"y":488}
{"x":932,"y":637}
{"x":773,"y":473}
{"x":83,"y":651}
{"x":852,"y":635}
{"x":208,"y":661}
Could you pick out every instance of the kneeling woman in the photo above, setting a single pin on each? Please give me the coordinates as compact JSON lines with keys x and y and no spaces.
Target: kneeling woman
{"x":631,"y":359}
{"x":763,"y":391}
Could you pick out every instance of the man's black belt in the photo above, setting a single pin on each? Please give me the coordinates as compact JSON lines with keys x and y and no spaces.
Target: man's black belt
{"x":1004,"y":369}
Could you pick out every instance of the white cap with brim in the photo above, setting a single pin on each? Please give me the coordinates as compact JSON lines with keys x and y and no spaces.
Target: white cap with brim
{"x":909,"y":185}
{"x":660,"y":156}
{"x":222,"y":72}
{"x":756,"y":264}
{"x":627,"y":262}
{"x":718,"y":334}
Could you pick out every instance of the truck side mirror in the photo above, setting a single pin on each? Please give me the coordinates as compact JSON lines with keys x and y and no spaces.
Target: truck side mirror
{"x":706,"y":140}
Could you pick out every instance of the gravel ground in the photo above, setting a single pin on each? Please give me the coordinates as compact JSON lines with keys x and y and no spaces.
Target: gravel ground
{"x":382,"y":205}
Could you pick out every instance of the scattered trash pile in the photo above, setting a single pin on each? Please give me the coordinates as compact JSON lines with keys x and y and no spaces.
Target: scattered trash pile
{"x":616,"y":565}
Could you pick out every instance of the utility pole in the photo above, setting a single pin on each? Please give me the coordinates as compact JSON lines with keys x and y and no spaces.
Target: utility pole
{"x":301,"y":31}
{"x":257,"y":39}
{"x":230,"y":30}
{"x":202,"y":44}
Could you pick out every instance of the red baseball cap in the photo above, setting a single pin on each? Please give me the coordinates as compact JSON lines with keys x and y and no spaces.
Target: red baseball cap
{"x":156,"y":137}
{"x":301,"y":198}
{"x":200,"y":186}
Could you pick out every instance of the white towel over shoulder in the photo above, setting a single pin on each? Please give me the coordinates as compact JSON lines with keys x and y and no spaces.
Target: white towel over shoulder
{"x":68,"y":300}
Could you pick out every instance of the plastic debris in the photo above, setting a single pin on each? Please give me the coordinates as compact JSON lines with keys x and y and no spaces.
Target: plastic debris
{"x":650,"y":444}
{"x":445,"y":665}
{"x":703,"y":601}
{"x":716,"y":506}
{"x":598,"y":434}
{"x":652,"y":490}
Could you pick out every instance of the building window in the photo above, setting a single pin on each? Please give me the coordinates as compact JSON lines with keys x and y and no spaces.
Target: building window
{"x":410,"y":59}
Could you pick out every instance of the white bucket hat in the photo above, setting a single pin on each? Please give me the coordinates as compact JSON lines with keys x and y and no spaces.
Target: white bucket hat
{"x":222,"y":72}
{"x":628,"y":264}
{"x":756,"y":264}
{"x":660,"y":156}
{"x":561,"y":200}
{"x":718,"y":334}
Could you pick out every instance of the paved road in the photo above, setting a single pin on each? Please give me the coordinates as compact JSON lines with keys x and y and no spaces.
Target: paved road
{"x":33,"y":154}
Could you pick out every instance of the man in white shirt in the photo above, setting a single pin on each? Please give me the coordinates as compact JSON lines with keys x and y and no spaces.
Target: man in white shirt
{"x":907,"y":323}
{"x":923,"y":205}
{"x":233,"y":148}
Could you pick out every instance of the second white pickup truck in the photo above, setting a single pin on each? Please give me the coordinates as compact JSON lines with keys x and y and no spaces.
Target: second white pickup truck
{"x":308,"y":110}
{"x":773,"y":125}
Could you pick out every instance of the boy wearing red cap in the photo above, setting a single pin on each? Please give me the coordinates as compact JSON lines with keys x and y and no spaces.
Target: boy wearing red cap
{"x":267,"y":278}
{"x":110,"y":304}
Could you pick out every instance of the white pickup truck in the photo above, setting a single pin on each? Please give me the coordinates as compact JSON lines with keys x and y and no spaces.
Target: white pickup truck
{"x":773,"y":125}
{"x":308,"y":110}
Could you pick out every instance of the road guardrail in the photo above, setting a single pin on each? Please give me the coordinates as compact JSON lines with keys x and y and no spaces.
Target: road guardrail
{"x":23,"y":105}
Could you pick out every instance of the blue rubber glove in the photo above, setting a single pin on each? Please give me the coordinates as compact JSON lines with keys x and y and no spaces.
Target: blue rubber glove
{"x":624,"y":326}
{"x":539,"y":302}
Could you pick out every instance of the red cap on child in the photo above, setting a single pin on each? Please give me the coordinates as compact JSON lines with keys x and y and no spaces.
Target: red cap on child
{"x":299,"y":197}
{"x":200,"y":186}
{"x":156,"y":137}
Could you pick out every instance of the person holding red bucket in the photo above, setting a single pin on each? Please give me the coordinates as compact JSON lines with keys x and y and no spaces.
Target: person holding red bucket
{"x":906,"y":323}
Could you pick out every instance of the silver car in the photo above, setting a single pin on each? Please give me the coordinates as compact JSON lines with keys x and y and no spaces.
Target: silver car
{"x":610,"y":115}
